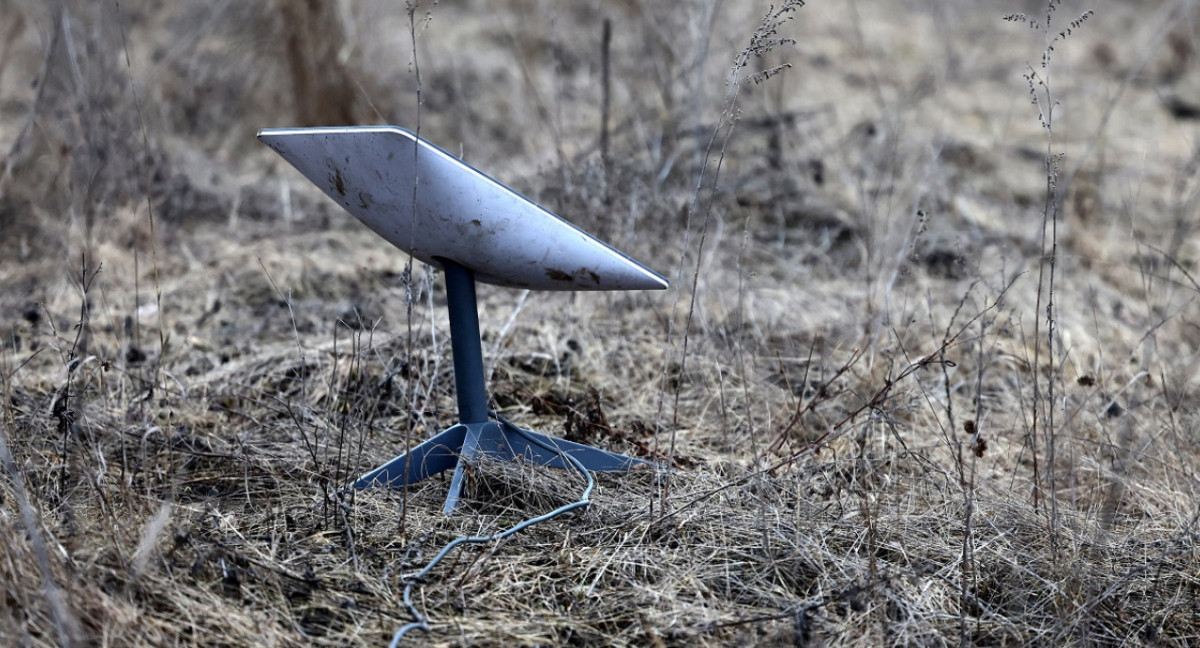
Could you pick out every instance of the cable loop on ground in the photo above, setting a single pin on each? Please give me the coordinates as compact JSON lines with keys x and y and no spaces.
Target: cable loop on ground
{"x":419,"y":620}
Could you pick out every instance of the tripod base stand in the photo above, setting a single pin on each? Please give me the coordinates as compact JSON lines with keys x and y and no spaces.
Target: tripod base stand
{"x":464,"y":444}
{"x":477,"y":436}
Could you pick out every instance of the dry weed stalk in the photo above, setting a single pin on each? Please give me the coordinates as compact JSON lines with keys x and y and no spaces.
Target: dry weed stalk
{"x":764,"y":39}
{"x":1042,"y":97}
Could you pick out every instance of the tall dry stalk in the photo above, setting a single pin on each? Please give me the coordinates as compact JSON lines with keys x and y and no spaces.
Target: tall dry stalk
{"x":1042,"y":97}
{"x":764,"y":39}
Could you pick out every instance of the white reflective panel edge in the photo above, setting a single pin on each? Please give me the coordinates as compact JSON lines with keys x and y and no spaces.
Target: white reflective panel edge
{"x":379,"y":173}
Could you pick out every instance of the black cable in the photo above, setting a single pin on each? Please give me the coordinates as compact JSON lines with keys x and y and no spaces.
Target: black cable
{"x":419,"y":621}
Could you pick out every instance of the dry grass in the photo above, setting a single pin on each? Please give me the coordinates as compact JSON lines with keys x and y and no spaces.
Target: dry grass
{"x":198,"y":353}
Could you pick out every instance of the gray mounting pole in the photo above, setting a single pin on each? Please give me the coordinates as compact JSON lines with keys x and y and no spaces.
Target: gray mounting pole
{"x":465,"y":343}
{"x":467,"y":349}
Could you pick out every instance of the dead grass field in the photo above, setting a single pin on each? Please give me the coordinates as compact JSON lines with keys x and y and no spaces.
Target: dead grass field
{"x":881,"y":427}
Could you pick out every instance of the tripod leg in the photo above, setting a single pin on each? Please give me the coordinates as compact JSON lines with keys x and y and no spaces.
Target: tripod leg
{"x":427,"y":459}
{"x":525,"y":443}
{"x":480,"y":439}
